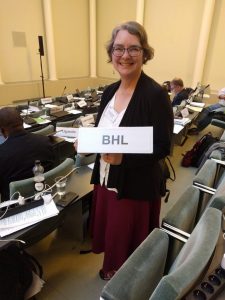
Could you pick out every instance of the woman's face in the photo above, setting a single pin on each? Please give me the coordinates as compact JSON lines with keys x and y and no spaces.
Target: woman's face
{"x":126,"y":65}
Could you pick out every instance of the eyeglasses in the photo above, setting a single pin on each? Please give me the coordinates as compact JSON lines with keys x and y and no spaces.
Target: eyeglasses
{"x":133,"y":51}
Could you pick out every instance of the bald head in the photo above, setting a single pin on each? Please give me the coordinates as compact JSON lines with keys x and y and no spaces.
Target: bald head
{"x":10,"y":119}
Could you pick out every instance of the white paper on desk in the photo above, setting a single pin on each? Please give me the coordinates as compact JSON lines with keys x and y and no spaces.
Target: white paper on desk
{"x":7,"y":231}
{"x":194,"y":108}
{"x":30,"y":110}
{"x":25,"y":125}
{"x":197,"y":104}
{"x":16,"y":222}
{"x":34,"y":108}
{"x":182,"y":121}
{"x":177,"y":128}
{"x":75,"y":111}
{"x":50,"y":105}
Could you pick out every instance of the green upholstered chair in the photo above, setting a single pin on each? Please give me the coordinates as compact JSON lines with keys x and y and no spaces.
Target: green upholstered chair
{"x":218,"y":123}
{"x":206,"y":181}
{"x":84,"y":159}
{"x":141,"y":272}
{"x":46,"y":130}
{"x":70,"y":123}
{"x":26,"y":186}
{"x":181,"y":219}
{"x":207,"y":174}
{"x":193,"y":258}
{"x":218,"y":199}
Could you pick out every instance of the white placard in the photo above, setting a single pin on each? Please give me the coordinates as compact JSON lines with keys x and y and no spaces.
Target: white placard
{"x":184,"y":112}
{"x":56,"y":109}
{"x":115,"y":140}
{"x":82,"y":103}
{"x":79,"y":98}
{"x":70,"y":132}
{"x":70,"y":97}
{"x":46,"y":100}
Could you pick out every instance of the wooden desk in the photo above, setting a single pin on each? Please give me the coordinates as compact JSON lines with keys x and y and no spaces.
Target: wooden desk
{"x":79,"y":182}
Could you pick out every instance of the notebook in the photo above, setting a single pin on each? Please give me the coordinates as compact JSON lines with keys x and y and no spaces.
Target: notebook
{"x":59,"y":114}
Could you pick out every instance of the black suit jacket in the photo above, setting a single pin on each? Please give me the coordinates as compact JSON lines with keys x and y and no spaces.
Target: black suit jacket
{"x":17,"y":156}
{"x":182,"y":95}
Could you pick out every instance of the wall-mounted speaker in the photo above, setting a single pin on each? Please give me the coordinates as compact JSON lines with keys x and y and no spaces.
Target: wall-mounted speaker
{"x":41,"y":46}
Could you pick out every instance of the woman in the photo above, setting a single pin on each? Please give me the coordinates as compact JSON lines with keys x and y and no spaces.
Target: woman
{"x":126,"y":199}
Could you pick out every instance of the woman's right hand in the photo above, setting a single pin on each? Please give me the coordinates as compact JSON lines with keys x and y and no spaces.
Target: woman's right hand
{"x":113,"y":158}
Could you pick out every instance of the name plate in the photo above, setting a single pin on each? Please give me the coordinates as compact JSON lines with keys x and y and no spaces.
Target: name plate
{"x":70,"y":132}
{"x":46,"y":100}
{"x":115,"y":140}
{"x":184,"y":112}
{"x":70,"y":98}
{"x":82,"y":103}
{"x":56,"y":109}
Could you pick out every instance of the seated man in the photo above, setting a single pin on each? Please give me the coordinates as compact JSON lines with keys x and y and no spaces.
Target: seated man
{"x":20,"y":150}
{"x":214,"y":111}
{"x":180,"y":93}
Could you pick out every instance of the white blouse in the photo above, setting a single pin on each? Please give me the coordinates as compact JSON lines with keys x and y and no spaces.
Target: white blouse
{"x":110,"y":118}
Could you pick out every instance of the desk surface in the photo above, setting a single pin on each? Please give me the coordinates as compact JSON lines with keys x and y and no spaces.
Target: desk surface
{"x":79,"y":182}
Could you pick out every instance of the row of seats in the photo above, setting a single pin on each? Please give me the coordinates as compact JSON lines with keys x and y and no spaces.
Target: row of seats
{"x":169,"y":263}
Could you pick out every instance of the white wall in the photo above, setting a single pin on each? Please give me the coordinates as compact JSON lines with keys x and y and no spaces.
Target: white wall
{"x":109,"y":14}
{"x":24,"y":17}
{"x":71,"y":33}
{"x":173,"y":28}
{"x":215,"y":59}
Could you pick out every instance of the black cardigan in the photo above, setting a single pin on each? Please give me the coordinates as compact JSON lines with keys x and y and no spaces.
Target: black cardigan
{"x":139,"y":175}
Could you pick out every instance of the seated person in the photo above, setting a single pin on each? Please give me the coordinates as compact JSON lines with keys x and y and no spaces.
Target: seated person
{"x":166,"y":86}
{"x":180,"y":93}
{"x":210,"y":112}
{"x":20,"y":150}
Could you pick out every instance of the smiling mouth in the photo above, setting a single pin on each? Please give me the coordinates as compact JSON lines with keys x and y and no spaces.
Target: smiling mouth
{"x":126,"y":64}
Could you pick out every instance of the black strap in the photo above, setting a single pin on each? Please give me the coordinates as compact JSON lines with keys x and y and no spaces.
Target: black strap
{"x":172,"y":168}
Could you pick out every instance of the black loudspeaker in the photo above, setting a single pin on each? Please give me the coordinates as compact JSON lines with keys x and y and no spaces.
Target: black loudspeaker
{"x":41,"y":46}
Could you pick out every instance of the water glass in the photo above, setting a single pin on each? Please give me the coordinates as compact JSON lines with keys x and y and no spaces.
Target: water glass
{"x":61,"y":185}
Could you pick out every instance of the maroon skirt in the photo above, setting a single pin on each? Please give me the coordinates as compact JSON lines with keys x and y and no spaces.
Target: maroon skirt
{"x":119,"y":226}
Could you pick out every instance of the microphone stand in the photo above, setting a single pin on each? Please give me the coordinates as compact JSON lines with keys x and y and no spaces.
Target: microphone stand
{"x":42,"y":76}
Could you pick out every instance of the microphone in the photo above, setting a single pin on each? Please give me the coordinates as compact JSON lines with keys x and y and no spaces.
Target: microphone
{"x":27,"y":112}
{"x":63,"y":92}
{"x":28,"y":105}
{"x":27,"y":119}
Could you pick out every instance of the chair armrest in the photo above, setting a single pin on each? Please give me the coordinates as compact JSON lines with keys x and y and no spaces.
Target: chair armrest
{"x":171,"y":228}
{"x":218,"y":161}
{"x":174,"y":235}
{"x":218,"y":123}
{"x":204,"y":188}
